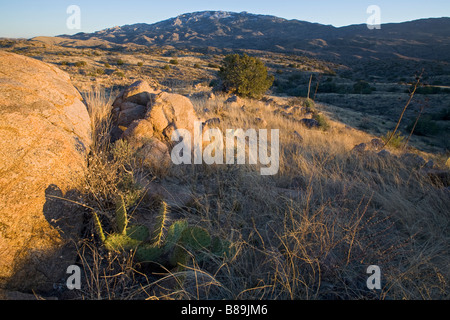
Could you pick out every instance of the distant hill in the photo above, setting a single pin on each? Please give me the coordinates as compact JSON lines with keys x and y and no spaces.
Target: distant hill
{"x":426,"y":39}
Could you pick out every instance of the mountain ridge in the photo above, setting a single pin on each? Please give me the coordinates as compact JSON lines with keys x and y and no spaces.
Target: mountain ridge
{"x":427,"y":39}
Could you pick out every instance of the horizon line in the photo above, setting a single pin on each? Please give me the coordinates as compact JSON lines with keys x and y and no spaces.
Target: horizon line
{"x":246,"y":12}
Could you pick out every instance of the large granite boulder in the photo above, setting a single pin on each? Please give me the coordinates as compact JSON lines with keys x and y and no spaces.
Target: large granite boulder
{"x":45,"y":136}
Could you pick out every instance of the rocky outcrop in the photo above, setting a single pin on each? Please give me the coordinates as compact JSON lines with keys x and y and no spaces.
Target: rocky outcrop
{"x":146,"y":117}
{"x":148,"y":130}
{"x":45,"y":136}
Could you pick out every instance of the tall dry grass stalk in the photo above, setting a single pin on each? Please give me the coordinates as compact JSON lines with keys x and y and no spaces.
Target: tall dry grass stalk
{"x":99,"y":105}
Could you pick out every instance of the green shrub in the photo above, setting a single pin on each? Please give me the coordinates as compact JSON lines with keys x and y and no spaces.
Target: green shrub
{"x":310,"y":106}
{"x":120,"y":62}
{"x":396,"y":141}
{"x":140,"y":64}
{"x":166,"y":67}
{"x":174,"y":62}
{"x":322,"y":120}
{"x":107,"y":65}
{"x":245,"y":76}
{"x":80,"y":64}
{"x":197,"y":66}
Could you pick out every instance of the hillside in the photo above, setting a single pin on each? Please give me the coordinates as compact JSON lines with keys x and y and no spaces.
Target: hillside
{"x":427,"y":39}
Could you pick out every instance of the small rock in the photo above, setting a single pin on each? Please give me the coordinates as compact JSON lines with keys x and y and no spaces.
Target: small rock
{"x":360,"y":148}
{"x":310,"y":123}
{"x":376,"y":144}
{"x":212,"y":122}
{"x":234,"y":98}
{"x":234,"y":101}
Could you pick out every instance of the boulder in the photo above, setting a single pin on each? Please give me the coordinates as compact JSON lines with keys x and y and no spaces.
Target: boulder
{"x":171,"y":110}
{"x":148,"y":129}
{"x":155,"y":155}
{"x":45,"y":137}
{"x":139,"y":93}
{"x":138,"y":133}
{"x":126,"y":117}
{"x":131,"y":103}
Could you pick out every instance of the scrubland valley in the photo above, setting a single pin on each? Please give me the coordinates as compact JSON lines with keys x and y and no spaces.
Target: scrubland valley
{"x":91,"y":116}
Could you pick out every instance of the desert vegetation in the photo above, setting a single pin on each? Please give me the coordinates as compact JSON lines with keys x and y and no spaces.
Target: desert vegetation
{"x":363,"y":176}
{"x":307,"y":233}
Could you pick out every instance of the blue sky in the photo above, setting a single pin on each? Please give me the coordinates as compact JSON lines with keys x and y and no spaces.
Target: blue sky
{"x":29,"y":18}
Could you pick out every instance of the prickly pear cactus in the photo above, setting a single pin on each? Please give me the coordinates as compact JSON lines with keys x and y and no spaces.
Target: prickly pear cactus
{"x":174,"y":234}
{"x":221,"y":248}
{"x":148,"y":253}
{"x":119,"y":242}
{"x":121,"y":216}
{"x":195,"y":238}
{"x":172,"y":248}
{"x":138,"y":232}
{"x":98,"y":227}
{"x":160,"y":225}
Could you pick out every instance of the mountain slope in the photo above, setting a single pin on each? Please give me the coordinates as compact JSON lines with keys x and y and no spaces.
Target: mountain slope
{"x":427,"y":39}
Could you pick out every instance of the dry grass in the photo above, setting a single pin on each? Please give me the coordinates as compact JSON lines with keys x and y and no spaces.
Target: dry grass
{"x":309,"y":232}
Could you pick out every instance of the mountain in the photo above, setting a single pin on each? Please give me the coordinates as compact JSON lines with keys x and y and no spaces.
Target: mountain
{"x":427,"y":39}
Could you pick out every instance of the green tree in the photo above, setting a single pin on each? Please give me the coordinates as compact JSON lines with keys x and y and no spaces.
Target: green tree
{"x":245,"y":76}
